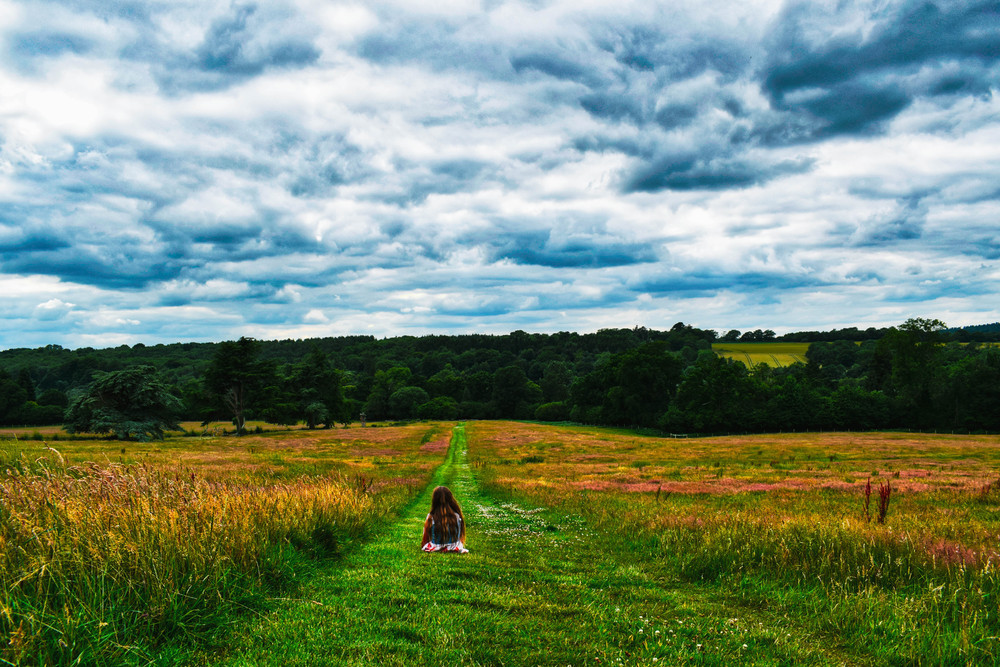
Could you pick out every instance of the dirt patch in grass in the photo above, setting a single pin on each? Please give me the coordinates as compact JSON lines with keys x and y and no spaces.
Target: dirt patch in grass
{"x":439,"y":445}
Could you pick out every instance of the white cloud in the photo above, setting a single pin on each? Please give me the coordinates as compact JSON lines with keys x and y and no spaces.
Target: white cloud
{"x":351,"y":167}
{"x":53,"y":309}
{"x":315,"y":316}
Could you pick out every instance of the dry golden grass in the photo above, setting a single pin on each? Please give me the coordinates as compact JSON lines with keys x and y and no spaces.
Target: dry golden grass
{"x":608,"y":459}
{"x":945,"y":488}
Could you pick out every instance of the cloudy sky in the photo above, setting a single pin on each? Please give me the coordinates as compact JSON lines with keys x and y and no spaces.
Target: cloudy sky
{"x":175,"y":170}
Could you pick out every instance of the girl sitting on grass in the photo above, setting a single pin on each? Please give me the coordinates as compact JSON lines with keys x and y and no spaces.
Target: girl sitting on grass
{"x":444,"y":528}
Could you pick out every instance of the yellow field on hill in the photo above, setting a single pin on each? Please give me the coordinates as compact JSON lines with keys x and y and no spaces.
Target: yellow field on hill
{"x":772,"y":354}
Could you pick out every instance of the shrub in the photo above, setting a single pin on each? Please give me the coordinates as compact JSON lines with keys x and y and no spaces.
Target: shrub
{"x":552,"y":412}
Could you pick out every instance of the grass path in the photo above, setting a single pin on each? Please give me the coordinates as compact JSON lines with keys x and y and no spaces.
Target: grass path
{"x":536,"y":588}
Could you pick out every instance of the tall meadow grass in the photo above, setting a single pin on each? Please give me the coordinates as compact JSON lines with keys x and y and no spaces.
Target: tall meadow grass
{"x":923,"y":588}
{"x":98,"y":563}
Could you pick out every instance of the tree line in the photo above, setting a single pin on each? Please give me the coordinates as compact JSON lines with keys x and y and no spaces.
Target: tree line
{"x":916,"y":375}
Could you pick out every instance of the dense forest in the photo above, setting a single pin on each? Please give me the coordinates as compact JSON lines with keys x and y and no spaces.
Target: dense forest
{"x":916,"y":375}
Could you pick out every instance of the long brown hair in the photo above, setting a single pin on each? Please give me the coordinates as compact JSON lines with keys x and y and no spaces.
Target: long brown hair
{"x":446,"y":513}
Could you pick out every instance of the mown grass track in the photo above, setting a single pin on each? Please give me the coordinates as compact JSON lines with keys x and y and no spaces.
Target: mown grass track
{"x":537,"y":588}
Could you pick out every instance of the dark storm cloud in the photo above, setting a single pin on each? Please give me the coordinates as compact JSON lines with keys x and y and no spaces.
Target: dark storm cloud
{"x":612,"y":107}
{"x":708,"y":283}
{"x":561,"y":242}
{"x":440,"y":42}
{"x":18,"y":243}
{"x":557,"y":65}
{"x":41,"y":43}
{"x":660,"y":49}
{"x":572,"y":253}
{"x":711,"y":173}
{"x":818,"y":87}
{"x":266,"y":235}
{"x":416,"y":181}
{"x":987,"y":247}
{"x":322,"y":163}
{"x":245,"y":41}
{"x":851,"y":84}
{"x":631,"y":146}
{"x":73,"y":248}
{"x":132,"y":10}
{"x":230,"y":47}
{"x":904,"y":222}
{"x":91,"y":224}
{"x":672,"y":116}
{"x":906,"y":36}
{"x":121,"y":268}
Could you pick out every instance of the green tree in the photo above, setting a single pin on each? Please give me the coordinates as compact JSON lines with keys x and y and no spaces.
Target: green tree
{"x":633,"y":388}
{"x":318,"y":381}
{"x":133,"y":404}
{"x":315,"y":414}
{"x":386,"y":383}
{"x":552,"y":412}
{"x":442,"y":407}
{"x":446,"y":382}
{"x":975,"y":391}
{"x":514,"y":394}
{"x":645,"y":381}
{"x":53,"y":397}
{"x":716,"y":394}
{"x":24,"y":379}
{"x":404,"y":401}
{"x":233,"y":378}
{"x":856,"y":409}
{"x":555,"y":382}
{"x":12,"y":397}
{"x":915,"y":348}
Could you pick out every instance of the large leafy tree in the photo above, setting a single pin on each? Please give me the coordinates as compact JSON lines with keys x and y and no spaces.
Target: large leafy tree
{"x":235,"y":377}
{"x":716,"y":394}
{"x":404,"y":402}
{"x":321,"y":398}
{"x":915,"y":349}
{"x":514,"y":395}
{"x":133,"y":404}
{"x":386,"y":383}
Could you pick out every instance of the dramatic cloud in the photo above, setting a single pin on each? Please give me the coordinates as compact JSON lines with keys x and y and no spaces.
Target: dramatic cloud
{"x":202,"y":170}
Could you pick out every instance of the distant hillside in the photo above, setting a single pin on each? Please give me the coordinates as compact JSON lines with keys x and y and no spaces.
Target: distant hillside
{"x":994,"y":327}
{"x":980,"y":333}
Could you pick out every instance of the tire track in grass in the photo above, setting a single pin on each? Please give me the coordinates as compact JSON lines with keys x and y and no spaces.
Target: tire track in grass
{"x":536,"y":588}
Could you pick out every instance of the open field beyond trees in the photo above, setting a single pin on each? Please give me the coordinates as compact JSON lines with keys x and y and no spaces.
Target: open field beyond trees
{"x":589,"y":546}
{"x":776,"y":355}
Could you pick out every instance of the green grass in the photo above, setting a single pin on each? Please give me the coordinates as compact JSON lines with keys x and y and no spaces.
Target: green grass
{"x":536,"y":588}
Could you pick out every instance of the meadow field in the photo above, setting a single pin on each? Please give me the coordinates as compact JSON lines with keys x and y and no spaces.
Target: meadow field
{"x":783,"y":523}
{"x":110,"y":549}
{"x":776,"y":355}
{"x":589,"y":546}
